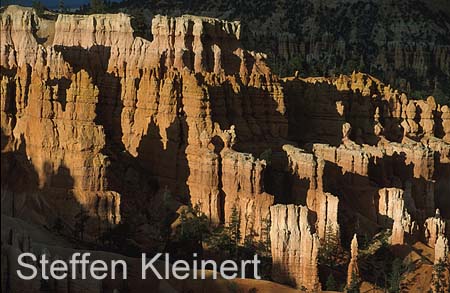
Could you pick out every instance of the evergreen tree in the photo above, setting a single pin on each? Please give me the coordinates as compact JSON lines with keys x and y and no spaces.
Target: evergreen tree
{"x":234,"y":230}
{"x":439,"y":278}
{"x":193,"y":228}
{"x":395,"y":277}
{"x":265,"y":236}
{"x":80,"y":224}
{"x":330,"y":251}
{"x":38,"y":7}
{"x":225,"y":240}
{"x":61,"y":6}
{"x":97,"y":6}
{"x":331,"y":285}
{"x":353,"y":287}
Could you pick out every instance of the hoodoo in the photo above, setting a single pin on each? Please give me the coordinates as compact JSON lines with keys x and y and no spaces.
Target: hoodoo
{"x":104,"y":133}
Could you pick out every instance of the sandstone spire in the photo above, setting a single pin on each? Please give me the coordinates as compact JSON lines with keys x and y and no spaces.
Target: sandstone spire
{"x":353,"y":269}
{"x":441,"y":250}
{"x":294,"y":247}
{"x":434,"y":227}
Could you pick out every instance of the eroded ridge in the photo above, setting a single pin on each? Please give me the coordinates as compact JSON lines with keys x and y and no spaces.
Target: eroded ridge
{"x":99,"y":122}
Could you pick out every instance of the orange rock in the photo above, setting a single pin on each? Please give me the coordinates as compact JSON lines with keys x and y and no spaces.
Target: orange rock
{"x":294,"y":247}
{"x":353,"y":269}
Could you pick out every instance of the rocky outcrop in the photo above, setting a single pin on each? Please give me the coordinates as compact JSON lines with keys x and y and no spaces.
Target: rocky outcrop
{"x":393,"y":201}
{"x":327,"y":217}
{"x":353,"y":269}
{"x":97,"y":95}
{"x":294,"y":247}
{"x":441,"y":249}
{"x":101,"y":125}
{"x":434,"y":227}
{"x":406,"y":46}
{"x":369,"y":110}
{"x":441,"y":271}
{"x":393,"y":211}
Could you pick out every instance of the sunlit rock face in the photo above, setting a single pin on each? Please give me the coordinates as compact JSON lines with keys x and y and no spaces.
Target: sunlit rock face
{"x":99,"y":123}
{"x":294,"y":247}
{"x":81,"y":96}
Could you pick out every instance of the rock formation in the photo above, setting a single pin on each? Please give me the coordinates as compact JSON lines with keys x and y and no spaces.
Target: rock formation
{"x":393,"y":212}
{"x":100,"y":126}
{"x":441,"y":271}
{"x":294,"y":247}
{"x":406,"y":44}
{"x":353,"y":270}
{"x":434,"y":227}
{"x":141,"y":98}
{"x":441,"y":249}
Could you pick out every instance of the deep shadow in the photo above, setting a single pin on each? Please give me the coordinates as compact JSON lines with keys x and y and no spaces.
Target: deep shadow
{"x":218,"y":147}
{"x":136,"y":178}
{"x":358,"y":206}
{"x":442,"y":186}
{"x":254,"y":112}
{"x":63,"y":84}
{"x":228,"y":44}
{"x":376,"y":268}
{"x":284,"y":183}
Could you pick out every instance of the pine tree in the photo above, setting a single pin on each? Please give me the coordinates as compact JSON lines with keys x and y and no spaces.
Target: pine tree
{"x":353,"y":287}
{"x":234,"y":225}
{"x":395,"y":277}
{"x":193,"y":227}
{"x":265,"y":235}
{"x":97,"y":6}
{"x":331,"y":285}
{"x":439,"y":278}
{"x":330,"y":250}
{"x":234,"y":230}
{"x":38,"y":7}
{"x":80,"y":224}
{"x":61,"y":6}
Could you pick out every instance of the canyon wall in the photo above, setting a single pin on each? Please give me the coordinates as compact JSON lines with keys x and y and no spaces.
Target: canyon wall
{"x":404,"y":43}
{"x":294,"y":247}
{"x":100,"y":126}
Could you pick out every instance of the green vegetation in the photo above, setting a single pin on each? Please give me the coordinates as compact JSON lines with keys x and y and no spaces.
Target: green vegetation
{"x":61,"y":6}
{"x":381,"y":267}
{"x":331,"y":253}
{"x":118,"y":239}
{"x":267,"y":156}
{"x":439,"y":278}
{"x":81,"y":219}
{"x":354,"y":285}
{"x":331,"y":284}
{"x":194,"y":234}
{"x":193,"y":228}
{"x":97,"y":6}
{"x":396,"y":275}
{"x":332,"y":258}
{"x":317,"y":38}
{"x":38,"y":7}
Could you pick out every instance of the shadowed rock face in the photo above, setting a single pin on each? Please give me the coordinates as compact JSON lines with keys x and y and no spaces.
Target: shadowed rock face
{"x":100,"y":123}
